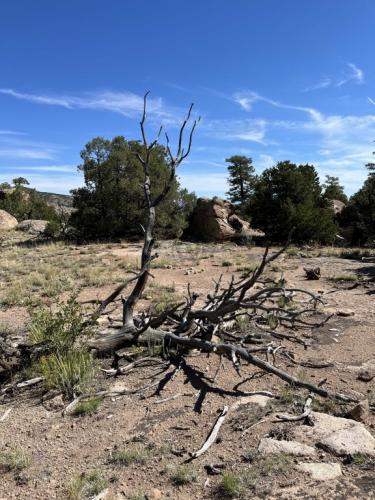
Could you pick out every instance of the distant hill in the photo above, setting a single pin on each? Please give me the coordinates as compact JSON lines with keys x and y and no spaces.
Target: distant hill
{"x":58,"y":201}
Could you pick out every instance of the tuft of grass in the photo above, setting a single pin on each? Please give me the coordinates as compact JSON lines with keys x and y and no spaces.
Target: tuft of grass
{"x":249,"y":267}
{"x":292,"y":251}
{"x":275,"y":464}
{"x":135,"y":454}
{"x":14,"y":460}
{"x":162,"y":297}
{"x":362,"y":460}
{"x":86,"y":486}
{"x":87,"y":407}
{"x":183,"y":474}
{"x":231,"y":485}
{"x":71,"y":372}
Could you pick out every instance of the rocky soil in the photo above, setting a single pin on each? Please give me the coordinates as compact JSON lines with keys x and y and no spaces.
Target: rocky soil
{"x":139,"y":445}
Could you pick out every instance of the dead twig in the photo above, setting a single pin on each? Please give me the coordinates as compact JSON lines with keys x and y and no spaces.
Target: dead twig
{"x":213,"y":434}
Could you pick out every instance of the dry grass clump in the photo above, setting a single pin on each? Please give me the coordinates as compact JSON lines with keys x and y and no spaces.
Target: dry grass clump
{"x":161,"y":297}
{"x":135,"y":453}
{"x":183,"y":474}
{"x":88,"y":406}
{"x":86,"y":486}
{"x":14,"y":460}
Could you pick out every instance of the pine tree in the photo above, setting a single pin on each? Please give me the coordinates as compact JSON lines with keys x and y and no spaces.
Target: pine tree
{"x":241,"y":180}
{"x":333,"y":189}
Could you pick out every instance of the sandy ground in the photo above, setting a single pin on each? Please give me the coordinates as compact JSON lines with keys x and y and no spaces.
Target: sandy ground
{"x":61,"y":448}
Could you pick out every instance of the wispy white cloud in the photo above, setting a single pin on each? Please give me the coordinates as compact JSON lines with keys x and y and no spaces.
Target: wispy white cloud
{"x":54,"y":184}
{"x":125,"y":103}
{"x":252,"y":130}
{"x":323,"y":84}
{"x":371,"y":100}
{"x":351,"y":74}
{"x":31,"y":154}
{"x":11,"y":132}
{"x":15,"y":146}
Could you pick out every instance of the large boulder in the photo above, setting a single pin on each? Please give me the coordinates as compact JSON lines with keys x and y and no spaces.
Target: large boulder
{"x":214,"y":220}
{"x":338,"y":206}
{"x":7,"y":221}
{"x":32,"y":226}
{"x":340,"y":436}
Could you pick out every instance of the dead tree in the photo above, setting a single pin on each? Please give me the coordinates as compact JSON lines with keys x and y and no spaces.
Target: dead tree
{"x":198,"y":323}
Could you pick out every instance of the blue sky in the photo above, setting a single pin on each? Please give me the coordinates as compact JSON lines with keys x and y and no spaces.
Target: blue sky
{"x":271,"y":79}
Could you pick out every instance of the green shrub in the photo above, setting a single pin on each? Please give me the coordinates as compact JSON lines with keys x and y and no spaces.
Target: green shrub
{"x":61,"y":329}
{"x":52,"y":230}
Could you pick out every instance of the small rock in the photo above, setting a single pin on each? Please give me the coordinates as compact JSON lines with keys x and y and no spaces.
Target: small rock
{"x":54,"y":404}
{"x":155,"y":494}
{"x":257,"y":399}
{"x":366,"y":375}
{"x":344,"y":313}
{"x":360,"y":412}
{"x":321,"y":471}
{"x":269,"y":446}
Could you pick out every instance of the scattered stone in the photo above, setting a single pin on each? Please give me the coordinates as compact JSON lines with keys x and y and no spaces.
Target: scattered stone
{"x":360,"y":412}
{"x":344,"y":313}
{"x":257,"y":399}
{"x":7,"y":221}
{"x":54,"y":404}
{"x":366,"y":375}
{"x":337,"y":435}
{"x":32,"y":226}
{"x":321,"y":471}
{"x":155,"y":494}
{"x":269,"y":446}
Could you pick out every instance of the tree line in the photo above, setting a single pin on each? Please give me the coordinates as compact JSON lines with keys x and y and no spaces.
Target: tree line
{"x":111,"y":202}
{"x":288,"y":196}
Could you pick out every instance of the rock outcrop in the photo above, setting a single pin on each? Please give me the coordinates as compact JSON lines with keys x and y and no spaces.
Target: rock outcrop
{"x":32,"y":226}
{"x":339,"y":436}
{"x":214,"y":220}
{"x":338,"y":206}
{"x":7,"y":221}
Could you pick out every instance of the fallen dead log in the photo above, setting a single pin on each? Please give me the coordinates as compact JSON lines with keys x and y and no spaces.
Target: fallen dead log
{"x":225,"y":349}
